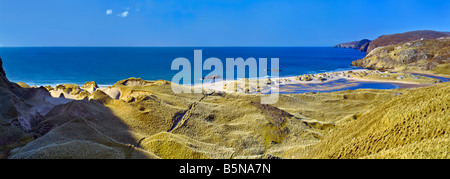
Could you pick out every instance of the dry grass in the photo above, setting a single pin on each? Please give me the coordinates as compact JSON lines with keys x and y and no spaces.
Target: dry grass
{"x":175,"y":146}
{"x":146,"y":123}
{"x":413,"y":125}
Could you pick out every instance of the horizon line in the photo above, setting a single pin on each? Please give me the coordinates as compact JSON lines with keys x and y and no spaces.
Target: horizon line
{"x":144,"y":46}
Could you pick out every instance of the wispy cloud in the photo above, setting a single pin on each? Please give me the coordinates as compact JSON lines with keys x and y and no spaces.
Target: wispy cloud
{"x":123,"y":14}
{"x":109,"y":11}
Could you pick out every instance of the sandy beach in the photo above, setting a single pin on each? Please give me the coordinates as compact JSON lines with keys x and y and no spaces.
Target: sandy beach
{"x":319,"y":82}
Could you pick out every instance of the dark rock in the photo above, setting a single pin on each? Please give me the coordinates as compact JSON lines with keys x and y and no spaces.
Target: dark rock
{"x":363,"y":45}
{"x":2,"y":72}
{"x":409,"y":56}
{"x":4,"y":82}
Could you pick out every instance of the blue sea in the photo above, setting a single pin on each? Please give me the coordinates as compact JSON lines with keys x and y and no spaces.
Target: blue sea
{"x":107,"y":65}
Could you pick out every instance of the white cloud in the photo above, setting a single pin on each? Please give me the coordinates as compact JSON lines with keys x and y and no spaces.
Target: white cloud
{"x":124,"y":14}
{"x":109,"y":11}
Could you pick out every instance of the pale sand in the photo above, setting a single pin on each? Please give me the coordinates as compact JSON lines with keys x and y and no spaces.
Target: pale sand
{"x":252,"y":87}
{"x":114,"y":93}
{"x":57,"y":94}
{"x":276,"y":82}
{"x":218,"y":86}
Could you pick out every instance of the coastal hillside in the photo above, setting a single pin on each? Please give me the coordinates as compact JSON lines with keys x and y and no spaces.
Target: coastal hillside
{"x":386,"y":40}
{"x":136,"y":118}
{"x":20,"y":109}
{"x":361,"y":45}
{"x":430,"y":56}
{"x":367,"y":46}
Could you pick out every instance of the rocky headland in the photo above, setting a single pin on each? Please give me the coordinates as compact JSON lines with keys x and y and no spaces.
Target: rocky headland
{"x":421,"y":52}
{"x":367,"y":46}
{"x":428,"y":56}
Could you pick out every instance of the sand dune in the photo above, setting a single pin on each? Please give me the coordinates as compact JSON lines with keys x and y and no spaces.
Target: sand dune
{"x":144,"y":119}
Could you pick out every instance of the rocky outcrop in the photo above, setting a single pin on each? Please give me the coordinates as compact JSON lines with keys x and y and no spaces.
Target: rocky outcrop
{"x":2,"y":72}
{"x":4,"y":82}
{"x":413,"y":125}
{"x":363,"y":45}
{"x":432,"y":55}
{"x":366,"y":45}
{"x":386,"y":40}
{"x":359,"y":45}
{"x":21,"y":109}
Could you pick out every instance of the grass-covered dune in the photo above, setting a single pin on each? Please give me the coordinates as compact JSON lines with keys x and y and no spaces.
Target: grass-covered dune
{"x":413,"y":125}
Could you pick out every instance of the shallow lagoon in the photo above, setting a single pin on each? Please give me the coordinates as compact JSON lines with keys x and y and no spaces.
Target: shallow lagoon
{"x":335,"y":85}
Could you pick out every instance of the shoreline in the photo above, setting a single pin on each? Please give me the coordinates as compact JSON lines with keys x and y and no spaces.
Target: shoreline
{"x":278,"y":78}
{"x":327,"y":81}
{"x":326,"y":86}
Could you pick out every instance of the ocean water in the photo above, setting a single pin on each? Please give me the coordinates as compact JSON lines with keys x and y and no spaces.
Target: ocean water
{"x":107,"y":65}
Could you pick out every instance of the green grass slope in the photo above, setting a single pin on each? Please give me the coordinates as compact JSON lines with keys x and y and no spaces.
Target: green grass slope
{"x":413,"y":125}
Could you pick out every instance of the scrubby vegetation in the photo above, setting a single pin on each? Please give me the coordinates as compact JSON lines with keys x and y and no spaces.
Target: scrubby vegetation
{"x":413,"y":125}
{"x":159,"y":124}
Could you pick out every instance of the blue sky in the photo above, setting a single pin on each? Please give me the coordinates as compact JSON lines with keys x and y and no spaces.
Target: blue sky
{"x":212,"y":23}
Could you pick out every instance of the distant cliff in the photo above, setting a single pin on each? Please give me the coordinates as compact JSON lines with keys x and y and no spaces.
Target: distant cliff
{"x":366,"y":45}
{"x":359,"y":45}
